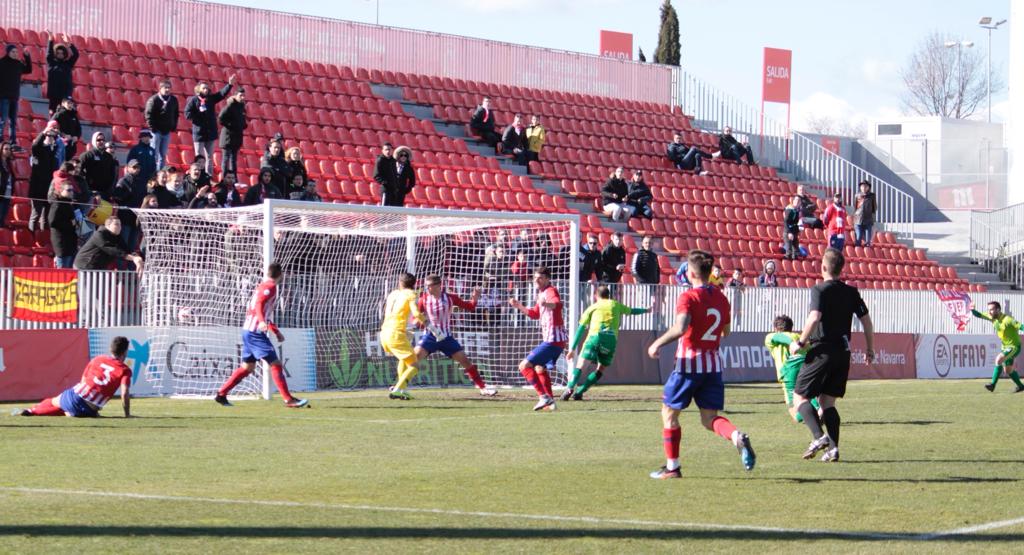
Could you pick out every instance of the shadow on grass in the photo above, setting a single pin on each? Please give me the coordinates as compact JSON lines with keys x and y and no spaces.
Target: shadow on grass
{"x":952,"y":461}
{"x":39,"y":424}
{"x":949,"y":480}
{"x":466,"y":533}
{"x":895,"y":422}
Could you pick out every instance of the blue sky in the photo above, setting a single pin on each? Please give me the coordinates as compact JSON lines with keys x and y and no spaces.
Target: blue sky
{"x":846,"y":54}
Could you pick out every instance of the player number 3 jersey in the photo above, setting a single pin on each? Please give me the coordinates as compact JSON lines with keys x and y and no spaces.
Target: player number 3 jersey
{"x":101,"y":379}
{"x":709,"y":317}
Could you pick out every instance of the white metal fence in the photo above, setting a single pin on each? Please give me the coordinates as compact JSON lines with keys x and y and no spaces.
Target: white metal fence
{"x":105,"y":299}
{"x":997,"y":242}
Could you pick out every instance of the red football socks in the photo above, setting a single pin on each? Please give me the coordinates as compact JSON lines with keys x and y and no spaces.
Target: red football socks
{"x":723,"y":427}
{"x":531,"y":378}
{"x":545,"y":383}
{"x":474,"y":375}
{"x":46,"y":408}
{"x":671,"y":437}
{"x":236,"y":378}
{"x":277,"y":372}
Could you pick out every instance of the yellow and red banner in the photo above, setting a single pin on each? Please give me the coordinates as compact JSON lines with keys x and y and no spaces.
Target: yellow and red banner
{"x":45,"y":295}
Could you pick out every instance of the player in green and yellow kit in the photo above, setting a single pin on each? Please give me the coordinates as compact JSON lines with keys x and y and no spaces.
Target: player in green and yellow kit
{"x":1008,"y":331}
{"x":603,"y":317}
{"x":787,"y":365}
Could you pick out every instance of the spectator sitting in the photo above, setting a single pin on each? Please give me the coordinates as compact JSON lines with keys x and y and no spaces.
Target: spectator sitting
{"x":44,"y":162}
{"x":536,"y":136}
{"x":206,"y":198}
{"x":791,"y":228}
{"x":686,"y":158}
{"x":161,"y":113}
{"x":157,"y":188}
{"x":646,"y":268}
{"x":639,"y":196}
{"x":233,"y":122}
{"x":613,"y":197}
{"x":716,"y":277}
{"x":482,"y":123}
{"x":836,"y":220}
{"x":263,"y":189}
{"x":864,"y":214}
{"x":63,"y":231}
{"x":145,"y":155}
{"x":513,"y":140}
{"x":98,"y":167}
{"x":150,"y":202}
{"x":613,"y":260}
{"x":228,"y":194}
{"x":731,"y":149}
{"x":298,"y":166}
{"x":194,"y":180}
{"x":105,"y":247}
{"x":808,"y":208}
{"x":590,"y":260}
{"x":737,"y":278}
{"x":281,"y":170}
{"x":309,"y":194}
{"x":201,"y":110}
{"x":176,"y":186}
{"x":69,"y":126}
{"x":295,"y":189}
{"x":681,"y":277}
{"x":11,"y":69}
{"x":60,"y":64}
{"x":768,"y":278}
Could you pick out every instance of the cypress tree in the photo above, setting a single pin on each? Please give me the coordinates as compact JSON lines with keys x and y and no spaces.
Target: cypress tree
{"x":668,"y":51}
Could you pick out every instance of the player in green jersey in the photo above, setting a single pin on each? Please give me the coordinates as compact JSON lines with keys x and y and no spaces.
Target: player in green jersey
{"x":787,"y":365}
{"x":1008,"y":331}
{"x":603,"y":317}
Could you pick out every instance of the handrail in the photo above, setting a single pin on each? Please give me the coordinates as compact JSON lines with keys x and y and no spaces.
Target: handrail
{"x":997,"y":242}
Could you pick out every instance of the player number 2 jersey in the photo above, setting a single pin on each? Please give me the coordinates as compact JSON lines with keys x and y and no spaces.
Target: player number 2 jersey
{"x":709,"y":316}
{"x":261,"y":306}
{"x":101,"y":379}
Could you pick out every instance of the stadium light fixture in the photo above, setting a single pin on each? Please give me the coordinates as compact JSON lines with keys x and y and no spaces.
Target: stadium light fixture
{"x":986,"y":23}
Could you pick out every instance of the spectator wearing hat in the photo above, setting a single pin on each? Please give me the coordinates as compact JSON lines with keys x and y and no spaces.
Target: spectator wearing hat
{"x":405,"y":176}
{"x":232,"y":128}
{"x":201,"y":111}
{"x":768,"y":278}
{"x":70,"y":128}
{"x":161,"y":113}
{"x":128,"y":193}
{"x":12,"y":67}
{"x":145,"y":155}
{"x":60,"y":63}
{"x":46,"y":152}
{"x":99,"y":169}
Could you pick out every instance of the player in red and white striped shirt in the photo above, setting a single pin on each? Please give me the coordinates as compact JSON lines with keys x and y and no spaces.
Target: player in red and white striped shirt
{"x":702,"y":319}
{"x":100,"y":381}
{"x":548,"y":310}
{"x":438,"y":304}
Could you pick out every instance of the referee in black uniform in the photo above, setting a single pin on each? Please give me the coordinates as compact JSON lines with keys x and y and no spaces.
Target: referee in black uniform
{"x":827,"y":364}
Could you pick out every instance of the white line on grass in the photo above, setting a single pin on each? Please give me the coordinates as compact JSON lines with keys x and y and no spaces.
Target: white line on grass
{"x":481,"y":514}
{"x":974,"y":529}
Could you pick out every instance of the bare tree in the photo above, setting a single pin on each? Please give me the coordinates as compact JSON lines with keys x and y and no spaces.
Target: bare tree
{"x":827,"y":125}
{"x":948,"y":82}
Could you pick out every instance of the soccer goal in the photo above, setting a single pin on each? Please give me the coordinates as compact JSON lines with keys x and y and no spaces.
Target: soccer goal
{"x":340,"y":262}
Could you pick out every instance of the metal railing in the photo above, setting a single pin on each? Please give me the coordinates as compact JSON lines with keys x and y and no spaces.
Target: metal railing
{"x":997,"y":242}
{"x":105,"y":299}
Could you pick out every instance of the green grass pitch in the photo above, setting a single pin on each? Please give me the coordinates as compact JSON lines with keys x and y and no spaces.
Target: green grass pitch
{"x":454,"y":472}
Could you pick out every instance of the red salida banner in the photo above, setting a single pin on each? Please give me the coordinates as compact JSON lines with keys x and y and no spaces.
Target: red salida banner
{"x":775,"y":73}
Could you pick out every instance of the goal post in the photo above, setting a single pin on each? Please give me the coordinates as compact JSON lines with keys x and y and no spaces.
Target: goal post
{"x":340,"y":261}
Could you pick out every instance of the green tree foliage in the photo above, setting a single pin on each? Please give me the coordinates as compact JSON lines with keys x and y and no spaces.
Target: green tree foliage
{"x":668,"y":51}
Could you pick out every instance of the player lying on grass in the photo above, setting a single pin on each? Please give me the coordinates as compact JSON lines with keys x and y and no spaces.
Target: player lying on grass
{"x":100,"y":380}
{"x":1008,"y":331}
{"x":702,"y":320}
{"x":541,"y":360}
{"x":604,"y":318}
{"x":438,"y":304}
{"x":256,"y":343}
{"x":394,"y":337}
{"x":787,"y":365}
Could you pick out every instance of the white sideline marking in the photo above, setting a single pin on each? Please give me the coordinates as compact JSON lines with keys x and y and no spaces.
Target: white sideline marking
{"x":455,"y":512}
{"x":975,"y":529}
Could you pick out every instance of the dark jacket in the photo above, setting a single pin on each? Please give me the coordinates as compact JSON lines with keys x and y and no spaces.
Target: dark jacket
{"x":726,"y":142}
{"x":43,"y":168}
{"x":146,"y":155}
{"x":257,"y":193}
{"x":478,"y":122}
{"x":162,"y":115}
{"x":190,"y":187}
{"x":63,"y":235}
{"x":232,"y":125}
{"x":128,"y":193}
{"x":867,"y":206}
{"x":406,"y":180}
{"x":590,"y":264}
{"x":297,"y":168}
{"x":614,"y":191}
{"x":676,"y":151}
{"x":202,"y":112}
{"x":768,"y":280}
{"x":610,"y":258}
{"x":165,"y":198}
{"x":638,"y":193}
{"x":646,"y":268}
{"x":384,"y":173}
{"x":281,"y":169}
{"x":228,"y":198}
{"x":100,"y":171}
{"x":59,"y":83}
{"x":791,"y":220}
{"x":11,"y":71}
{"x":512,"y":139}
{"x":67,"y":122}
{"x":101,"y":250}
{"x":200,"y":202}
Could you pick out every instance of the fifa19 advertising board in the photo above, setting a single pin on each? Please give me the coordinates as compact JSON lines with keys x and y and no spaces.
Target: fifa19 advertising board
{"x":956,"y":356}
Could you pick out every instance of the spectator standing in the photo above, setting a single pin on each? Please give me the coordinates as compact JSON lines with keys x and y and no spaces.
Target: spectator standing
{"x":836,"y":221}
{"x":791,"y":228}
{"x":536,"y":136}
{"x":201,"y":111}
{"x":161,"y":113}
{"x":6,"y":179}
{"x":279,"y":167}
{"x":613,"y":260}
{"x":524,"y":244}
{"x":105,"y":247}
{"x":60,"y":63}
{"x":768,"y":277}
{"x":12,"y":67}
{"x":513,"y":140}
{"x":732,"y":149}
{"x":63,"y":232}
{"x":646,"y":268}
{"x":146,"y":156}
{"x":737,"y":278}
{"x":232,"y":130}
{"x":44,"y":163}
{"x":865,"y":208}
{"x":405,"y":174}
{"x":613,"y":197}
{"x":99,"y":169}
{"x":482,"y":123}
{"x":127,"y":194}
{"x":385,"y":176}
{"x":684,"y":157}
{"x":639,"y":195}
{"x":521,"y":270}
{"x":69,"y":126}
{"x":590,"y":260}
{"x":298,"y":166}
{"x":263,"y":189}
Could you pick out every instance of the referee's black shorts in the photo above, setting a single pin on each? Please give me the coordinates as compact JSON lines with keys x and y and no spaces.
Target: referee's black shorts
{"x":825,"y":371}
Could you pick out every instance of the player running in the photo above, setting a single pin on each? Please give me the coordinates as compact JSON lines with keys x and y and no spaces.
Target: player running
{"x":394,"y":339}
{"x":437,"y":304}
{"x":541,"y":360}
{"x":787,"y":365}
{"x":100,"y":380}
{"x":702,"y":319}
{"x":604,"y":318}
{"x":256,"y":343}
{"x":1008,"y":331}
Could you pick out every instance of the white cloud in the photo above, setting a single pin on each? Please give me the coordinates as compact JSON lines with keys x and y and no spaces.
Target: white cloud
{"x":824,"y":105}
{"x":878,"y":71}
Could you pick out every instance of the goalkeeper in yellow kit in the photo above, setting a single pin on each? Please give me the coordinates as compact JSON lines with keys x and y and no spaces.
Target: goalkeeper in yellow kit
{"x":394,"y":339}
{"x":1008,"y":331}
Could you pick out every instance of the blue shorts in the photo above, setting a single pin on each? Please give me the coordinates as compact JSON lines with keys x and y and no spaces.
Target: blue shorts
{"x":546,"y":354}
{"x":73,"y":405}
{"x":706,"y":389}
{"x":449,"y":346}
{"x":256,"y":345}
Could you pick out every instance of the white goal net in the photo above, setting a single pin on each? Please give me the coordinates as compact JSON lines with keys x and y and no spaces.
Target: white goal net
{"x":340,"y":262}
